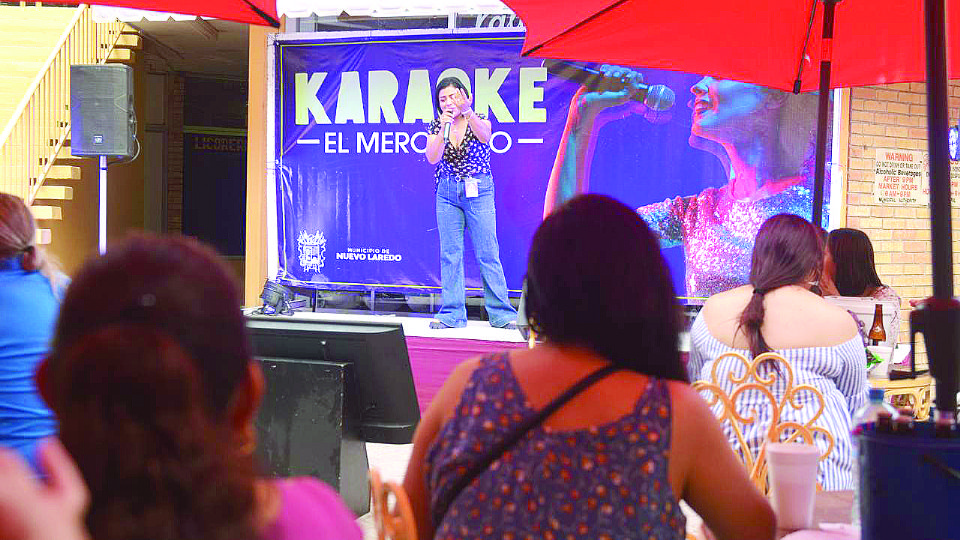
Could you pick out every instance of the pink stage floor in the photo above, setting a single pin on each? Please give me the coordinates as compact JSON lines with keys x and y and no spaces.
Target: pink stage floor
{"x":432,"y":359}
{"x":433,"y":353}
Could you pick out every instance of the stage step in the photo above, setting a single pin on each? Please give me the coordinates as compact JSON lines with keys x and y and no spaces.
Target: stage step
{"x":46,"y":212}
{"x":63,"y":172}
{"x":43,"y":236}
{"x":60,"y":193}
{"x":129,"y":41}
{"x":121,"y":56}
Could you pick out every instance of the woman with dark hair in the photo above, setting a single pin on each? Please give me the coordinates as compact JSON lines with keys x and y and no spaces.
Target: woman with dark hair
{"x":28,"y":310}
{"x":614,"y":461}
{"x":152,"y":379}
{"x":849,"y":268}
{"x":458,"y":142}
{"x":777,"y":312}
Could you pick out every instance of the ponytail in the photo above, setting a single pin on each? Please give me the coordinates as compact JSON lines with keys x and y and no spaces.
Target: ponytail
{"x":788,"y":251}
{"x":750,"y":322}
{"x":131,"y":410}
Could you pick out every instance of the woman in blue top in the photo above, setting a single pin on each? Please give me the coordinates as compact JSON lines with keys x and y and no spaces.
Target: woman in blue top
{"x":28,"y":311}
{"x":459,"y":144}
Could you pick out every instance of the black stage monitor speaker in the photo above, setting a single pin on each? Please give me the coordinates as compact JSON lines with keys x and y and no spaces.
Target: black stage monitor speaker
{"x":331,"y":385}
{"x":101,"y":110}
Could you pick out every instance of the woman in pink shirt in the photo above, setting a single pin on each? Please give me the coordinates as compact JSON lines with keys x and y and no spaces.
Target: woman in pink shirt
{"x":152,"y":379}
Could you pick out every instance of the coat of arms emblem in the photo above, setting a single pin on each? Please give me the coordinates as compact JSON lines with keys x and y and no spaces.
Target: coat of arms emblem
{"x":311,"y":248}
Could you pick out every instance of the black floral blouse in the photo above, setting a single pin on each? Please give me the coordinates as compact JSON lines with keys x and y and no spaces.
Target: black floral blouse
{"x":470,"y":159}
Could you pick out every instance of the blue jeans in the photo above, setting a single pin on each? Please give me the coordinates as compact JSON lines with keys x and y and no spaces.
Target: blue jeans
{"x":479,"y":216}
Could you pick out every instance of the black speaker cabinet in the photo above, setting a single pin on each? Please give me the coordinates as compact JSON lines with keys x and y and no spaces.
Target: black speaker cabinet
{"x":103,"y":122}
{"x":308,"y":424}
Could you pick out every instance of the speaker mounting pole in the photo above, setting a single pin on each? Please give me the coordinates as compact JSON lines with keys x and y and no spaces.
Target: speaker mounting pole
{"x":103,"y":205}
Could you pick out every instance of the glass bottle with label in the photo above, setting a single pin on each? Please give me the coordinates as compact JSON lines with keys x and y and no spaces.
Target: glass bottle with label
{"x":877,"y":333}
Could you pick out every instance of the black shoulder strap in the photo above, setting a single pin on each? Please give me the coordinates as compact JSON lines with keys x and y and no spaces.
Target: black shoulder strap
{"x":510,"y":440}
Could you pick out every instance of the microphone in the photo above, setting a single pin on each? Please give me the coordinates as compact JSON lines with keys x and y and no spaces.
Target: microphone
{"x":657,"y":97}
{"x":446,"y":132}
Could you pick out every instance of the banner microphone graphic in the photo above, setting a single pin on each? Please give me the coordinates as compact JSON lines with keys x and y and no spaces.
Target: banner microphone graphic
{"x":658,"y":97}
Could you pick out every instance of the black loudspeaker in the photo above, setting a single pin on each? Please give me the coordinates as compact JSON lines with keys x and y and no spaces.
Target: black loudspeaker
{"x":101,"y":110}
{"x":308,"y":424}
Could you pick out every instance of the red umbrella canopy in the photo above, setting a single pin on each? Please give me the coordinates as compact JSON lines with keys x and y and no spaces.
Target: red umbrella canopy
{"x":262,"y":12}
{"x":758,"y":41}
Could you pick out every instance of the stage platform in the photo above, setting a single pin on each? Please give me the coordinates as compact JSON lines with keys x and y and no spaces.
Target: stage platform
{"x":433,"y":353}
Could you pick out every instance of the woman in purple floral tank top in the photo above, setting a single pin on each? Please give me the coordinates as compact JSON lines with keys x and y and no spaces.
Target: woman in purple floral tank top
{"x":613,"y":462}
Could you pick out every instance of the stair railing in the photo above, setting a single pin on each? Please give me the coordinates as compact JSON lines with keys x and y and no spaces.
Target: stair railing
{"x":40,"y":124}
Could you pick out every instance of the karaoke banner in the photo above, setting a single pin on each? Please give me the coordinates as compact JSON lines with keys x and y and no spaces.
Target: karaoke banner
{"x":355,"y":193}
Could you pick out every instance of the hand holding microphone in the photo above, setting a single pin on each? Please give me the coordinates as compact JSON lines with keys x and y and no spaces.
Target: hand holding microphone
{"x":446,"y":120}
{"x":610,"y":86}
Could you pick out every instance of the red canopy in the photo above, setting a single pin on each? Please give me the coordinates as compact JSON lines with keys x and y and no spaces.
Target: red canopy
{"x":758,"y":41}
{"x":262,"y":12}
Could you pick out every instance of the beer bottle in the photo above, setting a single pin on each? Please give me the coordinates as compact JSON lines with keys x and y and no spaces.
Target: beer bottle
{"x":877,"y":333}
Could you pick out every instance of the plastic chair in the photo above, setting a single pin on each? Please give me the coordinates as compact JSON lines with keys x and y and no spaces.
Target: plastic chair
{"x":392,"y":513}
{"x":762,"y":376}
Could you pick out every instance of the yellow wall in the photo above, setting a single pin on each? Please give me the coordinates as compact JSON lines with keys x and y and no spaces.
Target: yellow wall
{"x":29,"y":34}
{"x":255,"y":265}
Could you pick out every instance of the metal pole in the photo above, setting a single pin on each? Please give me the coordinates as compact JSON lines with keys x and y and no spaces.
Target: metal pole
{"x":940,"y":334}
{"x":826,"y":56}
{"x":937,"y":127}
{"x":102,"y":244}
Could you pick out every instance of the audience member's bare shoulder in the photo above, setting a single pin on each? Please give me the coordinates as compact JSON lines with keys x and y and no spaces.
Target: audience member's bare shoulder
{"x":830,"y":324}
{"x":721,"y":313}
{"x":718,"y":307}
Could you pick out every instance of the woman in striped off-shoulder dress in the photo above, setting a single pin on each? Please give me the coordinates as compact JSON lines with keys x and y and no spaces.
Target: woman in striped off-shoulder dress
{"x":777,"y":312}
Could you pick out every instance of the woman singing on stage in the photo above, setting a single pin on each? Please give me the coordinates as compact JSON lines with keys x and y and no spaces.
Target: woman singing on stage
{"x":459,"y":144}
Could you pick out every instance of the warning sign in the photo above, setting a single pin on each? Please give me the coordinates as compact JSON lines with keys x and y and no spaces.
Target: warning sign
{"x":900,"y":177}
{"x":954,"y":182}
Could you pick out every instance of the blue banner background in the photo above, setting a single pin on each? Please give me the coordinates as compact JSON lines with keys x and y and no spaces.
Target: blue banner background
{"x":368,"y":201}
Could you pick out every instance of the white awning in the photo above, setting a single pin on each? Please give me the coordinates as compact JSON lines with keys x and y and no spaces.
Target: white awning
{"x":109,"y":14}
{"x":306,"y":8}
{"x":388,"y":8}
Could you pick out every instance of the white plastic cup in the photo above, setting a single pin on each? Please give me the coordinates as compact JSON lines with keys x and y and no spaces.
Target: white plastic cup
{"x":881,"y":370}
{"x":793,"y":483}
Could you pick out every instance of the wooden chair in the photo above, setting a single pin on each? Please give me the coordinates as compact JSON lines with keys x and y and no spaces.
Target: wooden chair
{"x":767,"y":373}
{"x":392,"y":513}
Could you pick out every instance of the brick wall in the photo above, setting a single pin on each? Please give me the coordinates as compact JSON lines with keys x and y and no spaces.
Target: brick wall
{"x":894,"y":116}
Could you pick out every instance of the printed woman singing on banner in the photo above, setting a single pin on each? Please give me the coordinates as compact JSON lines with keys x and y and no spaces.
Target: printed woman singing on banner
{"x":763,"y":137}
{"x":458,"y":142}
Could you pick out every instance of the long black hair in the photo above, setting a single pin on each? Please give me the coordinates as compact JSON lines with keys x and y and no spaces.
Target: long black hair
{"x":788,"y":251}
{"x":444,"y":83}
{"x":852,"y":254}
{"x":596,"y":279}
